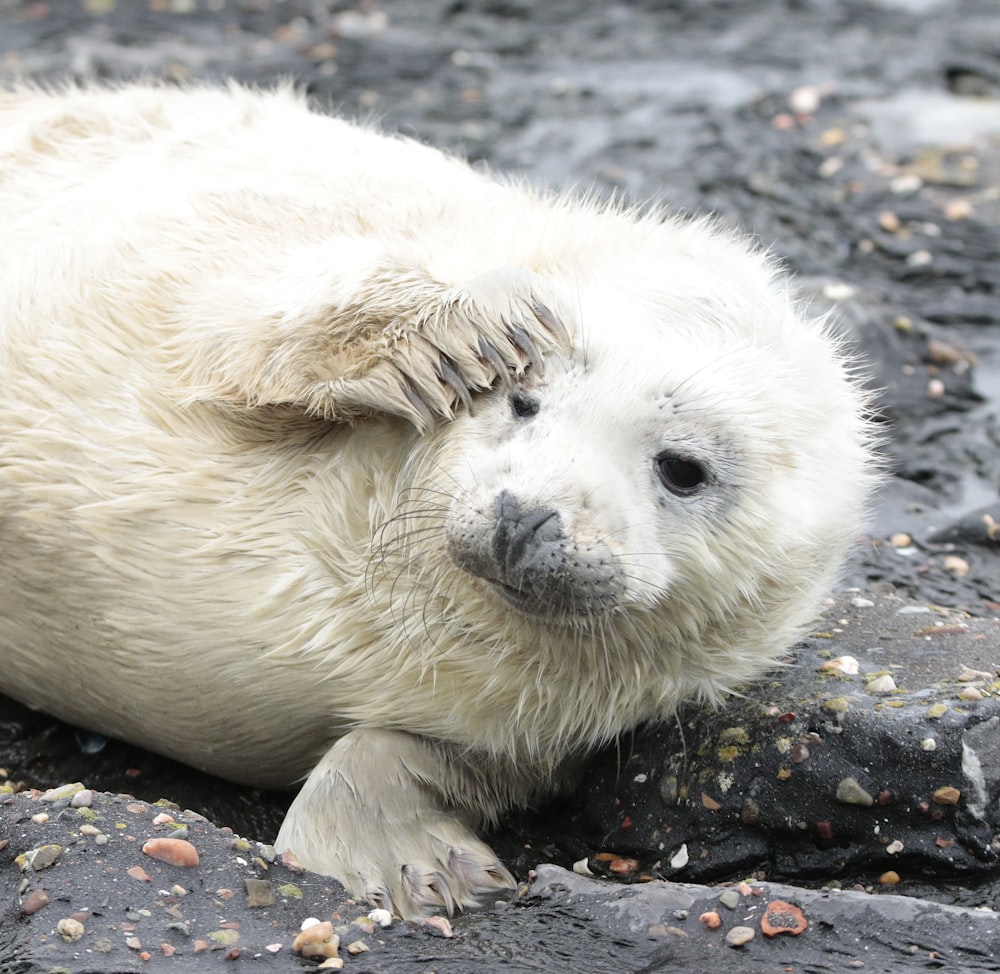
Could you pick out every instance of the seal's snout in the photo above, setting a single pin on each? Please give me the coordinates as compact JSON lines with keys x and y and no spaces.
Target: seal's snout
{"x":533,"y":562}
{"x":524,"y":539}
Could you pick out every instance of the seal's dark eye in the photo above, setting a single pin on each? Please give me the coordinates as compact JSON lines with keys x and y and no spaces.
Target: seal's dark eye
{"x":523,"y":405}
{"x":680,"y":475}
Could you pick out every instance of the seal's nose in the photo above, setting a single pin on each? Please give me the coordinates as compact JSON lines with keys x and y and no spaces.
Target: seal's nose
{"x":522,"y":537}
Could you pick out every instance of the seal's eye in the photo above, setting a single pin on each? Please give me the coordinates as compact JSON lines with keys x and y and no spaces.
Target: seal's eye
{"x":680,"y":475}
{"x":523,"y":405}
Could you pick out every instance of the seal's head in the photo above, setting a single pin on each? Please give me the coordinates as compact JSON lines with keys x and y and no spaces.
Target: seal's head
{"x":668,"y":505}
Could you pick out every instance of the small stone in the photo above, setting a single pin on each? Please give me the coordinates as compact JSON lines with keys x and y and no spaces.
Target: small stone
{"x":936,"y":710}
{"x":970,"y":693}
{"x":849,"y":792}
{"x":44,"y":856}
{"x":34,"y":901}
{"x":259,"y":892}
{"x":906,"y":184}
{"x":137,"y":872}
{"x":888,"y":221}
{"x":958,"y":209}
{"x":622,"y":867}
{"x":730,"y":899}
{"x":62,"y":793}
{"x":889,"y":878}
{"x":175,"y":852}
{"x":316,"y":939}
{"x":380,"y":917}
{"x":82,"y":799}
{"x":680,"y":858}
{"x":893,"y":847}
{"x":882,"y":684}
{"x":69,"y":929}
{"x":914,"y":610}
{"x":711,"y":919}
{"x":928,"y":744}
{"x":935,"y":389}
{"x":273,"y":948}
{"x":163,"y":818}
{"x":860,"y":603}
{"x":224,"y":938}
{"x":441,"y":924}
{"x":331,"y":964}
{"x":89,"y":830}
{"x":738,"y":936}
{"x":843,"y":664}
{"x":958,"y":567}
{"x":967,"y":675}
{"x":133,"y":943}
{"x":40,"y":818}
{"x":946,"y":796}
{"x":357,"y":947}
{"x":837,"y":705}
{"x":582,"y":867}
{"x":805,"y":100}
{"x":782,"y":917}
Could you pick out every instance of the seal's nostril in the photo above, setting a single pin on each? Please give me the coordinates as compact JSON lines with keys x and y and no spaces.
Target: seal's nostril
{"x":521,"y":535}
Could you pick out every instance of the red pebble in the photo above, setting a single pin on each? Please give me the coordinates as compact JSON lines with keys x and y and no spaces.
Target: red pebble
{"x":176,"y":852}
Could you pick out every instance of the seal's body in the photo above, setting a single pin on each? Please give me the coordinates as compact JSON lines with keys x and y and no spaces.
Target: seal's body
{"x":323,"y":455}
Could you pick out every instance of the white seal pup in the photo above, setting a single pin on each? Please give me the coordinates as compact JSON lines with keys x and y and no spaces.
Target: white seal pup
{"x":325,"y":457}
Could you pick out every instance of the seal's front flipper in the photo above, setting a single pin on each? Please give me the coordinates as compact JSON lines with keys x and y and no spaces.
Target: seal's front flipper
{"x":389,"y":814}
{"x":343,"y":330}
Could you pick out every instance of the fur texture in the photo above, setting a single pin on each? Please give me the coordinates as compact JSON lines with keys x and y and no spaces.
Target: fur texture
{"x":324,"y":455}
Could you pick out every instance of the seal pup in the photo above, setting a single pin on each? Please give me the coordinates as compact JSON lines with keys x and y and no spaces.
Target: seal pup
{"x":327,"y":457}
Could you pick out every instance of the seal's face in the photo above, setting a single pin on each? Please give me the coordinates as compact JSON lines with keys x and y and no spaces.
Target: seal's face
{"x":687,"y":473}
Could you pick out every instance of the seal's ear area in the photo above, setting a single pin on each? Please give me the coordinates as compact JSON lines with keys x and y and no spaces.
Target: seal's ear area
{"x":341,"y":331}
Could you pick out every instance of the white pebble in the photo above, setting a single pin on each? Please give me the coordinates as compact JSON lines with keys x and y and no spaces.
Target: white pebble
{"x":582,"y":867}
{"x":882,"y":684}
{"x":309,"y":922}
{"x":382,"y":918}
{"x":843,"y":664}
{"x":928,"y":744}
{"x":680,"y":857}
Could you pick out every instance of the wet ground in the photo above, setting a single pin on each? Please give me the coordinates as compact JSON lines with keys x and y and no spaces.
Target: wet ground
{"x":858,"y":138}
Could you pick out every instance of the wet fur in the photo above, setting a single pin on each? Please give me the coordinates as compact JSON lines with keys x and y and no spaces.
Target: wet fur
{"x":240,"y":341}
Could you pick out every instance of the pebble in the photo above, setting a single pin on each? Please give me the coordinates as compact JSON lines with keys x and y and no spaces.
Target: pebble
{"x":69,"y":929}
{"x":175,"y":852}
{"x":680,"y":858}
{"x":711,"y":919}
{"x":928,"y":744}
{"x":317,"y":940}
{"x":739,"y":936}
{"x":42,"y":857}
{"x":946,"y":796}
{"x":357,"y":947}
{"x":889,"y":878}
{"x":860,"y":603}
{"x":259,"y":892}
{"x":163,"y":818}
{"x":730,"y":899}
{"x":441,"y":924}
{"x":34,"y":901}
{"x":82,"y":799}
{"x":849,"y":792}
{"x":882,"y":684}
{"x":843,"y":664}
{"x":40,"y":818}
{"x":137,"y":872}
{"x":380,"y":917}
{"x":900,"y":540}
{"x":958,"y":566}
{"x":888,"y":221}
{"x":935,"y":388}
{"x":893,"y":847}
{"x":782,"y":917}
{"x":805,"y":100}
{"x":970,"y":693}
{"x":582,"y":867}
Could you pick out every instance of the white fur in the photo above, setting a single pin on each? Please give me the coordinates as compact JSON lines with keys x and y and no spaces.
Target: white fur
{"x":222,"y":541}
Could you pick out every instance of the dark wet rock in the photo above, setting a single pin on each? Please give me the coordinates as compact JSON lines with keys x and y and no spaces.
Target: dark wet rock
{"x":816,"y":774}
